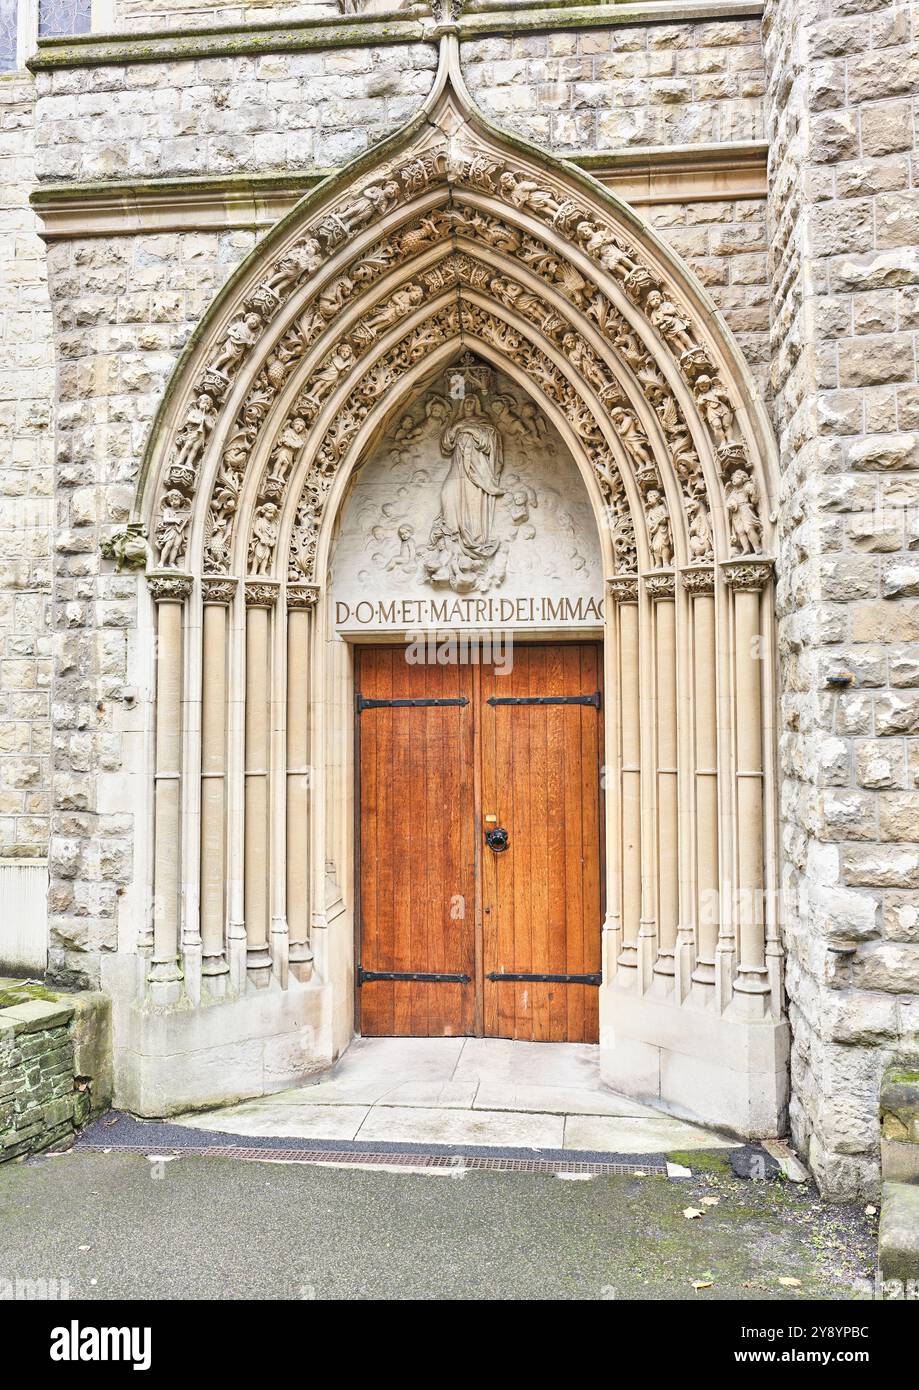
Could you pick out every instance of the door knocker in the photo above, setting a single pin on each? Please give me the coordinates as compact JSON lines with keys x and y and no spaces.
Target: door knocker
{"x":496,"y":840}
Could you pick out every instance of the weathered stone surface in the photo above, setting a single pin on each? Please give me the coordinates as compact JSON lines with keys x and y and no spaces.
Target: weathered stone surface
{"x":898,"y":1234}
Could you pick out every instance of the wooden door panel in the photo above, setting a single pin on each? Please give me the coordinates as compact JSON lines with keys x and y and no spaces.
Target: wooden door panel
{"x":417,"y":846}
{"x":541,"y":897}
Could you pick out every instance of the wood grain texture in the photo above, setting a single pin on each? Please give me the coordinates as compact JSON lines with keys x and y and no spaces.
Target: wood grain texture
{"x":429,"y":776}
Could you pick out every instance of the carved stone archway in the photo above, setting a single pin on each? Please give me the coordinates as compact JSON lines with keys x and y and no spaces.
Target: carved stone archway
{"x":450,"y":238}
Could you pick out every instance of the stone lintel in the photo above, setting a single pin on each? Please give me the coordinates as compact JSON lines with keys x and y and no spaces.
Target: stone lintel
{"x":119,"y":207}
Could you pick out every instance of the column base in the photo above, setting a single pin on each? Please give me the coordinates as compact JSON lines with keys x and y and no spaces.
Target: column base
{"x":727,"y":1072}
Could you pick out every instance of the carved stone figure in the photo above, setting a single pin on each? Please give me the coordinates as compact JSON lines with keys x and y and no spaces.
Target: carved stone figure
{"x":658,"y":523}
{"x":200,"y":419}
{"x":303,"y":258}
{"x":462,"y":548}
{"x":714,"y":407}
{"x":669,"y":322}
{"x":171,"y":529}
{"x":264,"y":538}
{"x":240,"y":336}
{"x":741,"y":502}
{"x":633,"y":437}
{"x":406,"y":558}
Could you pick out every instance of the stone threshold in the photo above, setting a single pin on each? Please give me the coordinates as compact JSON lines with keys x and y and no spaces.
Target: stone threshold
{"x":396,"y":27}
{"x":641,"y":176}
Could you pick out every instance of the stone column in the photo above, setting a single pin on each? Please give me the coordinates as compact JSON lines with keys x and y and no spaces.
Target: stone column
{"x":611,"y":790}
{"x":301,"y":603}
{"x":746,"y":580}
{"x":661,"y":590}
{"x":217,"y":594}
{"x":169,"y":592}
{"x":699,"y":582}
{"x":261,"y":597}
{"x":623,"y":591}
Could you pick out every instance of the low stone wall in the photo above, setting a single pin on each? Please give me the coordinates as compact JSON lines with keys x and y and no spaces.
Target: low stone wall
{"x":898,"y":1237}
{"x":55,"y":1065}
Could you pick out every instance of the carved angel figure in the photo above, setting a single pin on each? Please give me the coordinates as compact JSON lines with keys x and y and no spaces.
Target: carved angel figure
{"x":526,"y":193}
{"x":741,"y":502}
{"x":302,"y":259}
{"x":669,"y":322}
{"x":583,"y":360}
{"x":658,"y":522}
{"x":175,"y":515}
{"x":240,"y":336}
{"x":373,"y":202}
{"x":715,"y":408}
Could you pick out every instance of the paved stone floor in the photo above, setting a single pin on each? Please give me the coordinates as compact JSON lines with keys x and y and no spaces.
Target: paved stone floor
{"x":484,"y":1091}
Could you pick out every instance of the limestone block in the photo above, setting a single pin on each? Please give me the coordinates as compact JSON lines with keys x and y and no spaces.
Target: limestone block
{"x":898,"y":1233}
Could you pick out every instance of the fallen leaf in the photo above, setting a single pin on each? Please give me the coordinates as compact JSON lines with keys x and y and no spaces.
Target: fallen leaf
{"x":710,"y":1201}
{"x":701,"y":1284}
{"x":871,"y":1211}
{"x":790,"y":1283}
{"x":691,"y":1213}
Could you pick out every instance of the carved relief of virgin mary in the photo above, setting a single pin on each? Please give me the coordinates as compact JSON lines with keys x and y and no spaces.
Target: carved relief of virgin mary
{"x":463,"y":552}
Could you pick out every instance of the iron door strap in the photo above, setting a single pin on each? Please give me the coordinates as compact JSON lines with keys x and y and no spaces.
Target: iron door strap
{"x":593,"y":699}
{"x":363,"y":703}
{"x":498,"y":975}
{"x":419,"y":976}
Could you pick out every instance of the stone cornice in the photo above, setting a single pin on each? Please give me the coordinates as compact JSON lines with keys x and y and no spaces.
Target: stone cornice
{"x":401,"y":26}
{"x":641,"y":176}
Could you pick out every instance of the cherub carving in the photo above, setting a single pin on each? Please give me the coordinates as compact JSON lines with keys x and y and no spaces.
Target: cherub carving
{"x":339,"y":361}
{"x":406,"y":558}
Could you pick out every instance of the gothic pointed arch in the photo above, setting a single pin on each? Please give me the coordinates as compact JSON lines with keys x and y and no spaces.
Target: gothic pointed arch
{"x":453,"y":246}
{"x":614,"y":329}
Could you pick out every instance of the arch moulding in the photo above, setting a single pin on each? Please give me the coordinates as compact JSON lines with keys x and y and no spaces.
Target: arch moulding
{"x":449,"y":245}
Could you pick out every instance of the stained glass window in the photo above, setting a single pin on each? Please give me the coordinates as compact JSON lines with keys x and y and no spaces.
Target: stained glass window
{"x":63,"y":17}
{"x":7,"y":35}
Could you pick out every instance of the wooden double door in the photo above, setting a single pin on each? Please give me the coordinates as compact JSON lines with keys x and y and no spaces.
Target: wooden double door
{"x":479,"y":845}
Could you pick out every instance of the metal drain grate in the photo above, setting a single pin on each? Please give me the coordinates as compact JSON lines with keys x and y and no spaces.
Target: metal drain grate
{"x":459,"y":1162}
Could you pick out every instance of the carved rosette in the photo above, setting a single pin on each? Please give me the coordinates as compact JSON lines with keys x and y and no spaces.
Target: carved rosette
{"x":217,"y":589}
{"x":170,"y":588}
{"x":746,"y":574}
{"x":623,"y":588}
{"x":698,"y":579}
{"x":261,"y":593}
{"x":303,"y":595}
{"x":660,"y":585}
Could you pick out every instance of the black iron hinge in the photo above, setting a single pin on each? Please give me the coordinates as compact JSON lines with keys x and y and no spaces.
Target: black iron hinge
{"x":421,"y":976}
{"x":545,"y":979}
{"x":363,"y":703}
{"x":546,"y":699}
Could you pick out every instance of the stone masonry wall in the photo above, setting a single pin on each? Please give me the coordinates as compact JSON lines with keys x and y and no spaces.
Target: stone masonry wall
{"x":595,"y":89}
{"x":26,"y":398}
{"x":39,"y":1103}
{"x":124,"y":308}
{"x":844,"y":223}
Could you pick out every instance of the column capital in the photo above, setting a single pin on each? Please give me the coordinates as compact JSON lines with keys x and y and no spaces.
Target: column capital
{"x":262,"y":593}
{"x":750,"y":572}
{"x":698,"y":579}
{"x":660,"y":584}
{"x":303,"y":595}
{"x":218,"y":589}
{"x":170,"y":586}
{"x":623,"y":588}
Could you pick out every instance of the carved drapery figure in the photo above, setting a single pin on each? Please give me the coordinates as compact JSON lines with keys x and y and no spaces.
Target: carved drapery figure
{"x":462,"y":551}
{"x":741,"y":502}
